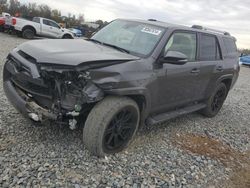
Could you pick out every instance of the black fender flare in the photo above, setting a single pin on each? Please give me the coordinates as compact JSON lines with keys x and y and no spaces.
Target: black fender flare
{"x":134,"y":91}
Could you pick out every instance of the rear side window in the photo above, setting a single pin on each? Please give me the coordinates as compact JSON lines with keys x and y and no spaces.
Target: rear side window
{"x":36,"y":19}
{"x":230,"y":45}
{"x":209,"y":48}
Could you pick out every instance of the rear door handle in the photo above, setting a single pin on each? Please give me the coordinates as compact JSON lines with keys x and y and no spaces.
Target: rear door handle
{"x":195,"y":71}
{"x":219,"y":68}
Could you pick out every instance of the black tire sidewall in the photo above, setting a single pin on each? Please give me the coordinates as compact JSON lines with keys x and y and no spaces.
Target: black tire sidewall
{"x":98,"y":120}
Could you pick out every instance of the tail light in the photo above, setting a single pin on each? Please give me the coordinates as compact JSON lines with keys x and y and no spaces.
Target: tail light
{"x":13,"y":21}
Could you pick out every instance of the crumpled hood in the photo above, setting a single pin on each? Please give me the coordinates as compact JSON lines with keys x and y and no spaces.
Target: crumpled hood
{"x":71,"y":52}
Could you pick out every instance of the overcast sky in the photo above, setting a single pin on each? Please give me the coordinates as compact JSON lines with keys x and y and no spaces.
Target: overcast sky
{"x":229,"y":15}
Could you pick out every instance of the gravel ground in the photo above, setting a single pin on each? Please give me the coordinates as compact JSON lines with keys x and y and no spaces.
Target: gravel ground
{"x":37,"y":156}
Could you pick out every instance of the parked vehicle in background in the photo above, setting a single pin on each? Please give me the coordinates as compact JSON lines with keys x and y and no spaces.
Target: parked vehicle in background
{"x":5,"y":14}
{"x":245,"y":59}
{"x":129,"y":72}
{"x":2,"y":23}
{"x":5,"y":22}
{"x":40,"y":27}
{"x":9,"y":24}
{"x":76,"y":32}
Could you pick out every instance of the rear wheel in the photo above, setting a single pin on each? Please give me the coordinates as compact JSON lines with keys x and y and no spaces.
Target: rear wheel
{"x":28,"y":33}
{"x":111,"y":125}
{"x":215,"y":101}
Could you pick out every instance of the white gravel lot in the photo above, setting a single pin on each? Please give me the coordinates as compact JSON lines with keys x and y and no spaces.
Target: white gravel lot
{"x":50,"y":156}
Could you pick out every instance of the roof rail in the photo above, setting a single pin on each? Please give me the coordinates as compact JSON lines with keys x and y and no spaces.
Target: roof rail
{"x":209,"y":29}
{"x":153,"y":20}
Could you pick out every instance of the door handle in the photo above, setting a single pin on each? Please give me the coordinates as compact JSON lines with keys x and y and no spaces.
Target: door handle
{"x":195,"y":71}
{"x":219,"y":68}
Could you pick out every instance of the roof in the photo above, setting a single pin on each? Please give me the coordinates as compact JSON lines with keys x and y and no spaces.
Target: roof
{"x":182,"y":27}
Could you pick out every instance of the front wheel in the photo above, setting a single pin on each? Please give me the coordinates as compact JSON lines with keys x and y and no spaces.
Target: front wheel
{"x":215,"y":101}
{"x":111,"y":125}
{"x":67,"y":36}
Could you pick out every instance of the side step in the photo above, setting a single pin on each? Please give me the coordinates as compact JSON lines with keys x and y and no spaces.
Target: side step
{"x":160,"y":118}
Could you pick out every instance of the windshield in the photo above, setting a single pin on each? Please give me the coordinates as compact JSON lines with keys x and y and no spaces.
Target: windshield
{"x":135,"y":37}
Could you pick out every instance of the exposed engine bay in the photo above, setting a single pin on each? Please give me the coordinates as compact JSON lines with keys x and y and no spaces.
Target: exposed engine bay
{"x":59,"y":95}
{"x":72,"y":95}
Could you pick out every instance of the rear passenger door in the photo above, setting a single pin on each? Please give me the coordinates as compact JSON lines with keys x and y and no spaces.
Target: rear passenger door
{"x":211,"y":66}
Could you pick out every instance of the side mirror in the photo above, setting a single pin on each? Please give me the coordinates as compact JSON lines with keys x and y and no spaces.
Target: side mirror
{"x":174,"y":57}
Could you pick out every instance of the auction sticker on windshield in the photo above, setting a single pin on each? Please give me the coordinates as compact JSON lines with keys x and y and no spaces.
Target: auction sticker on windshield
{"x":152,"y":31}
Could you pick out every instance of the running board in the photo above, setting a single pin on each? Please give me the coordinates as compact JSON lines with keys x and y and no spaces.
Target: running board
{"x":160,"y":118}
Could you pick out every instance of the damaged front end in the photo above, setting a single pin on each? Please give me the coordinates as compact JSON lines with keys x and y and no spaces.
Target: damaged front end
{"x":73,"y":93}
{"x":57,"y":94}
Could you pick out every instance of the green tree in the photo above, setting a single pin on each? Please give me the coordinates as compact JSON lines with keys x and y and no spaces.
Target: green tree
{"x":14,"y":7}
{"x":3,"y":6}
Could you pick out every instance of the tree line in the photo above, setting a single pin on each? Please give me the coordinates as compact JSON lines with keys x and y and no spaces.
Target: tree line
{"x":30,"y":10}
{"x":244,"y":51}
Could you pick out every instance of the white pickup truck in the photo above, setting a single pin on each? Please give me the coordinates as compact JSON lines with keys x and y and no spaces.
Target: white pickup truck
{"x":40,"y":27}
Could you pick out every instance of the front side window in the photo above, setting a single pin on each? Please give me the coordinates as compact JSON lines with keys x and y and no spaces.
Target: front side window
{"x":135,"y":37}
{"x":183,"y":42}
{"x":209,"y":48}
{"x":45,"y":22}
{"x":53,"y":24}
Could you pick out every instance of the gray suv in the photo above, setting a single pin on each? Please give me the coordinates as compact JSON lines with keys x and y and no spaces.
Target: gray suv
{"x":130,"y":73}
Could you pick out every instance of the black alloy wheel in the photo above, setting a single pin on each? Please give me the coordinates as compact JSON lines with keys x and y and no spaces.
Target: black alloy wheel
{"x":120,"y":130}
{"x":218,"y":99}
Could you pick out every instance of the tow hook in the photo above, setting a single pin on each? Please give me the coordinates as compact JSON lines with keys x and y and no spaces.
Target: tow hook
{"x":34,"y":117}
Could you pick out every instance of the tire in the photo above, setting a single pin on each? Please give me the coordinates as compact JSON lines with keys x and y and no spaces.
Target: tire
{"x":1,"y":28}
{"x":215,"y":101}
{"x":28,"y":33}
{"x":105,"y":126}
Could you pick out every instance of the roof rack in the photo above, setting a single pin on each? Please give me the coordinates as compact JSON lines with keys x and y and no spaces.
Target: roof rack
{"x":209,"y":29}
{"x":153,"y":20}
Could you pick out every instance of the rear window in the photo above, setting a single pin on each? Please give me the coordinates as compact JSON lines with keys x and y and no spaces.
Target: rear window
{"x":36,"y":19}
{"x":230,"y":45}
{"x":209,"y":48}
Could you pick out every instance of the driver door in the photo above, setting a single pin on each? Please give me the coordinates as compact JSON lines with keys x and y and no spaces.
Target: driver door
{"x":51,"y":29}
{"x":177,"y":84}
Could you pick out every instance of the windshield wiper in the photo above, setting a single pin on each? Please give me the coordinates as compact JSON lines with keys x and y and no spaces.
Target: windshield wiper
{"x":94,"y":40}
{"x":110,"y":45}
{"x":116,"y":47}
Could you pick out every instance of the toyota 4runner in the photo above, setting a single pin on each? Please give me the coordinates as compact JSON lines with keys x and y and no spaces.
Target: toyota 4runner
{"x":130,"y":73}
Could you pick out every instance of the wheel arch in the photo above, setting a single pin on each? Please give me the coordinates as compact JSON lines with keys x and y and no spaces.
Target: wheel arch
{"x":67,"y":34}
{"x":140,"y":95}
{"x":227,"y":80}
{"x":29,"y":27}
